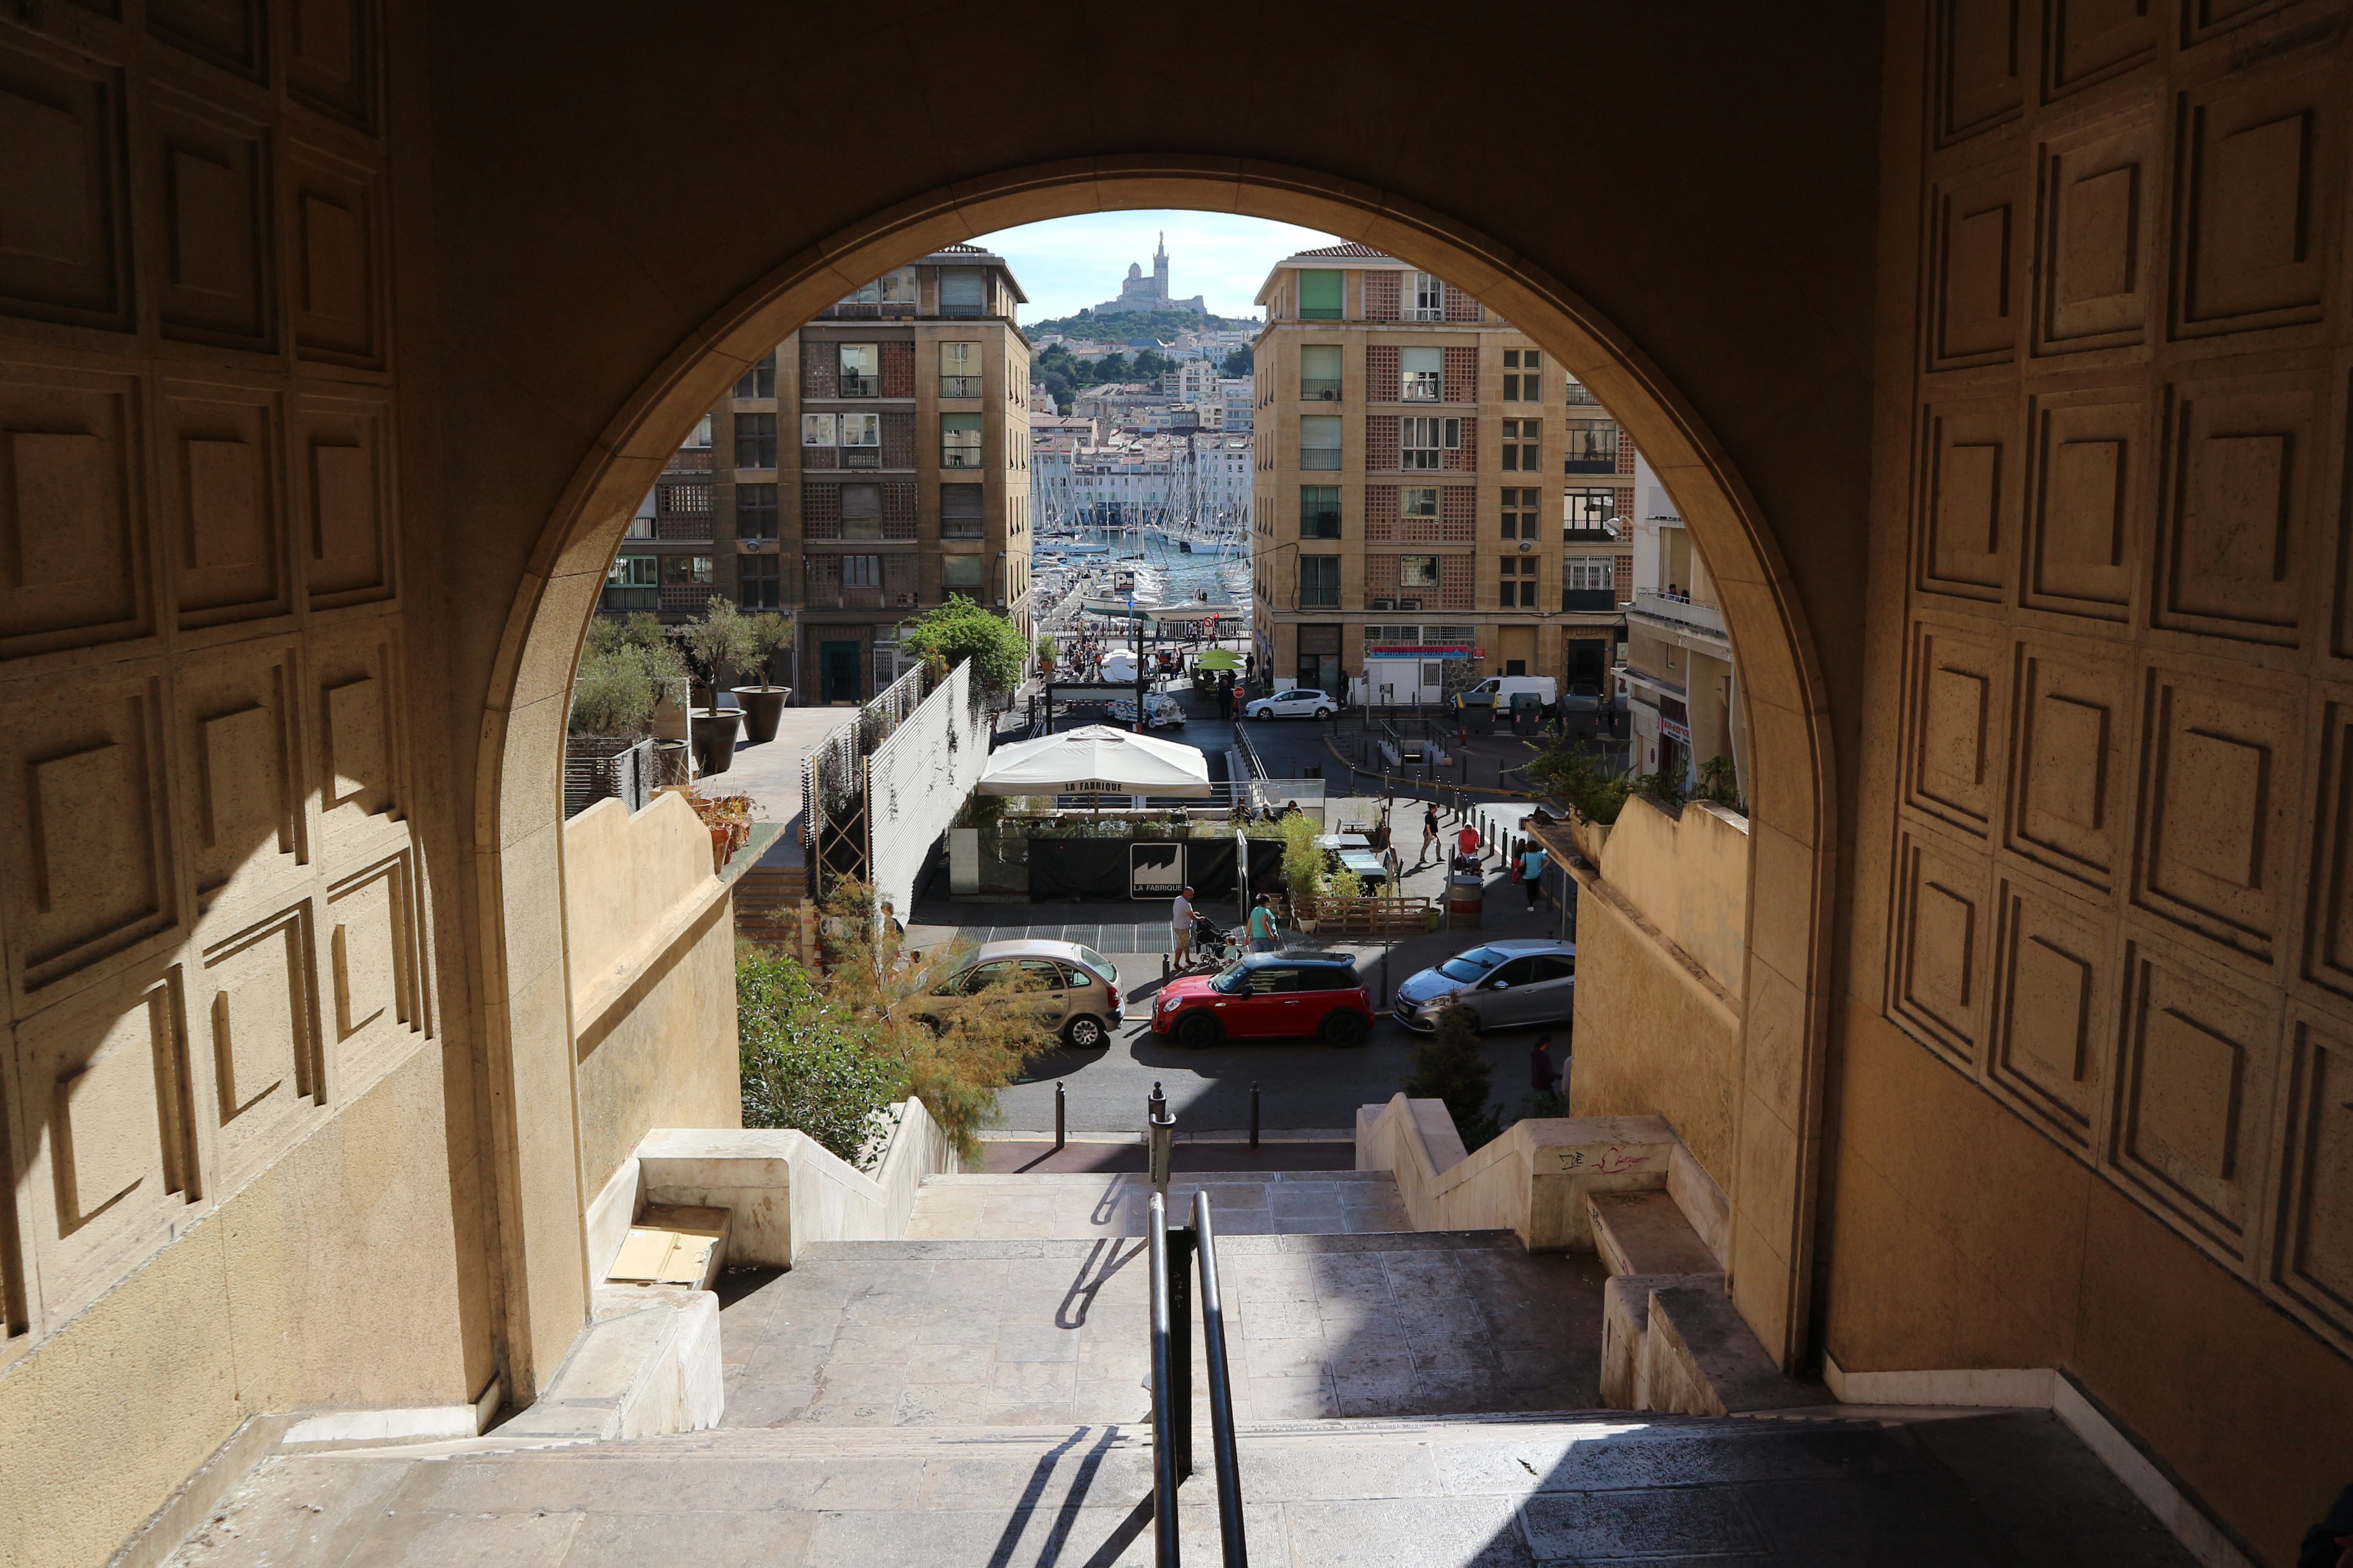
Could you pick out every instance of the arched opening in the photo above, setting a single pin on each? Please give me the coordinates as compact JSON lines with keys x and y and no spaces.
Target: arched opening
{"x":1779,"y":1088}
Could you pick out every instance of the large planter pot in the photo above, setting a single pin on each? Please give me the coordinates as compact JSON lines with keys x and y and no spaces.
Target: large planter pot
{"x":714,"y":738}
{"x":762,"y":706}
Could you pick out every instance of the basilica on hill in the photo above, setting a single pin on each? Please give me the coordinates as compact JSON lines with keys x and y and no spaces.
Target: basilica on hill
{"x":1141,"y":295}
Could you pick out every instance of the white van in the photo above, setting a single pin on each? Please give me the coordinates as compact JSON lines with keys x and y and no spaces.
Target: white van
{"x":1497,"y":691}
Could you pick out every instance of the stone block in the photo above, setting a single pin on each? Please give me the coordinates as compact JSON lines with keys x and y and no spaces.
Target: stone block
{"x":1646,"y":1233}
{"x":1700,"y":1357}
{"x":745,"y":1170}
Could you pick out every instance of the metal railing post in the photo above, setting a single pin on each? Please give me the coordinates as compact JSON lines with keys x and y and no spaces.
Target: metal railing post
{"x":1164,"y":1436}
{"x":1225,"y":1454}
{"x":1061,"y":1098}
{"x":1253,"y":1143}
{"x":1180,"y":1345}
{"x":1161,"y":1128}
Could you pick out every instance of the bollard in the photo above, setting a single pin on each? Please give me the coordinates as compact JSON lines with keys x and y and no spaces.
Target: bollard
{"x":1062,"y":1102}
{"x":1254,"y":1115}
{"x":1162,"y":1132}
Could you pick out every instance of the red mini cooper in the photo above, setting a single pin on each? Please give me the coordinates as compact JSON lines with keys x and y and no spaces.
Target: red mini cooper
{"x":1268,"y":996}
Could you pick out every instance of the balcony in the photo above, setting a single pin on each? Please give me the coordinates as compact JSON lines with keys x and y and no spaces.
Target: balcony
{"x":959,"y":387}
{"x":1589,"y":601}
{"x":1590,"y":463}
{"x":1575,"y":535}
{"x":693,"y":526}
{"x":689,"y":460}
{"x":1576,"y":396}
{"x":1319,"y":389}
{"x":627,"y":600}
{"x":688,"y":597}
{"x":1678,"y":610}
{"x":1319,"y":459}
{"x":959,"y":457}
{"x":862,"y":457}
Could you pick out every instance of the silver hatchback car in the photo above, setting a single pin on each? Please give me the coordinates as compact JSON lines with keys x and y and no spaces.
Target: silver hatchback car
{"x":1506,"y":986}
{"x":1077,"y":985}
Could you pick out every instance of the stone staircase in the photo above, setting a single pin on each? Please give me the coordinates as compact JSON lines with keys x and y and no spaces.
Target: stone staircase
{"x":973,"y":1393}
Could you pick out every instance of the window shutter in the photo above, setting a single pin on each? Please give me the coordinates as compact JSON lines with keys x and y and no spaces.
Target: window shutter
{"x":1380,"y":515}
{"x":898,"y":496}
{"x":1462,"y":378}
{"x":1464,"y":459}
{"x":1383,"y":382}
{"x":1458,"y":514}
{"x":1380,"y":296}
{"x":820,"y":371}
{"x":1459,"y":306}
{"x":1381,"y":442}
{"x":898,"y":373}
{"x":1320,"y":295}
{"x":963,"y":293}
{"x":961,"y":503}
{"x":821,"y":511}
{"x":898,"y":427}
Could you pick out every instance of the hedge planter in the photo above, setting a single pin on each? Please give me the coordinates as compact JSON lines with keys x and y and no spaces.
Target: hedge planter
{"x":763,"y":707}
{"x":714,"y":738}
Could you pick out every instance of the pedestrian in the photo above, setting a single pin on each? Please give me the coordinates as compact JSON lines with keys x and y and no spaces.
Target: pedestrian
{"x":1466,"y":844}
{"x":2330,"y":1543}
{"x":1532,"y":865}
{"x":1180,"y":920}
{"x":1261,"y":926}
{"x":1429,"y":834}
{"x":1540,"y":1069}
{"x":1226,"y":695}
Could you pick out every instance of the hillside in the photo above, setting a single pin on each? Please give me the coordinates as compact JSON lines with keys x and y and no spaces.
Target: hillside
{"x":1162,"y":325}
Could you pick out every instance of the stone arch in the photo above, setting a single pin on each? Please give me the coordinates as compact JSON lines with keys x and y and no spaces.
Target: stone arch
{"x":1794,"y":820}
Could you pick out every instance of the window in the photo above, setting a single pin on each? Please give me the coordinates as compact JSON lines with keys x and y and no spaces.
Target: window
{"x":1592,"y":446}
{"x":1319,"y":296}
{"x":756,"y":582}
{"x":959,"y":370}
{"x":755,"y":511}
{"x":862,"y":441}
{"x":1519,"y":589}
{"x":959,"y":440}
{"x":1319,"y":441}
{"x":1319,"y":372}
{"x":963,"y":291}
{"x":633,"y":572}
{"x":1589,"y":572}
{"x":1421,"y":371}
{"x":820,"y":429}
{"x":1319,"y":511}
{"x":686,"y":569}
{"x":859,"y":372}
{"x":1421,"y":438}
{"x":1588,"y":511}
{"x":1523,"y":380}
{"x":961,"y":513}
{"x":1417,"y":571}
{"x":1418,"y":500}
{"x":1319,"y":581}
{"x":1520,"y":513}
{"x":756,"y":440}
{"x":760,"y":380}
{"x":1522,"y":444}
{"x":861,"y":512}
{"x":961,"y":574}
{"x":1425,"y":298}
{"x":861,"y":571}
{"x":899,"y":288}
{"x":1575,"y":393}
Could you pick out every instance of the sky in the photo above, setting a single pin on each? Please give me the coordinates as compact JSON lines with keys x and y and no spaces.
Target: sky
{"x":1068,"y":263}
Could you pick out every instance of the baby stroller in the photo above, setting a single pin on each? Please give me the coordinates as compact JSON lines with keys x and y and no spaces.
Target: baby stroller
{"x":1214,"y":947}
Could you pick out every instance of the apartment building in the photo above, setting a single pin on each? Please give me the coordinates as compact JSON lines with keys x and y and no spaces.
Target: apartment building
{"x":875,"y":463}
{"x":1435,"y":503}
{"x":1678,"y":681}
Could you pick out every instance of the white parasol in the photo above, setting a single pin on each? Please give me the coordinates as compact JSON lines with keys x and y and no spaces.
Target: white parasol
{"x":1096,"y":760}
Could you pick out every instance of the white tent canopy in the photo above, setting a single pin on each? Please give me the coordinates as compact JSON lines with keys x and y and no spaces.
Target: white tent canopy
{"x":1096,"y":759}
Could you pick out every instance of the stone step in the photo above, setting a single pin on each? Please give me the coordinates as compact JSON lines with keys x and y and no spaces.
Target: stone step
{"x":1646,"y":1233}
{"x":1242,"y":1203}
{"x":1302,"y":1243}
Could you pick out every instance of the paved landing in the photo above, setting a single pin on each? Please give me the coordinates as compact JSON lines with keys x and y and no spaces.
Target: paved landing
{"x":1041,"y":1330}
{"x":2012,"y":1490}
{"x":1037,"y":1204}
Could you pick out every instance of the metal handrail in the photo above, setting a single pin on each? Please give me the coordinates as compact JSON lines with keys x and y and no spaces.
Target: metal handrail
{"x":1171,"y":1255}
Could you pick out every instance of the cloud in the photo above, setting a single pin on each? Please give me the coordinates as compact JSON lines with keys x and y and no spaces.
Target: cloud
{"x":1068,"y":263}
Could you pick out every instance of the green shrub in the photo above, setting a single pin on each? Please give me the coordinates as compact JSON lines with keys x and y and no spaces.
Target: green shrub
{"x":1447,"y":1066}
{"x":1303,"y":861}
{"x":807,"y":1064}
{"x":960,"y":630}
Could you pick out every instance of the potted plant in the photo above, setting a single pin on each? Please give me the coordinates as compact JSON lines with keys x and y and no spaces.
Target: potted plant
{"x":721,"y":640}
{"x":1045,"y":654}
{"x":764,"y":705}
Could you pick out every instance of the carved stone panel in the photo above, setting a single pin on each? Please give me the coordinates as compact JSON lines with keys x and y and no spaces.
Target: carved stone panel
{"x":221,"y":498}
{"x":74,"y":558}
{"x":64,"y":228}
{"x":258,"y":1015}
{"x":2257,"y":212}
{"x":1976,"y":259}
{"x":376,"y":1001}
{"x":238,"y":750}
{"x":84,"y":828}
{"x":2095,"y":237}
{"x":2220,"y":770}
{"x":1941,"y":933}
{"x":227,"y":33}
{"x":1979,"y":75}
{"x":2195,"y":1073}
{"x":342,"y":505}
{"x":2051,"y":1035}
{"x":2235,"y":528}
{"x":216,"y":251}
{"x":2329,"y":960}
{"x":2072,"y":718}
{"x":108,"y":1098}
{"x":2084,"y":502}
{"x":2313,"y":1258}
{"x":330,"y":63}
{"x":357,"y":734}
{"x":2089,"y":40}
{"x":335,"y":251}
{"x":1968,"y":509}
{"x":1955,"y":695}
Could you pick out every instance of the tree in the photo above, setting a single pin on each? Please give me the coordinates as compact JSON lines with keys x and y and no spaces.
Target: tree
{"x":1150,"y":365}
{"x":720,"y":637}
{"x":623,"y":670}
{"x":960,"y":630}
{"x":1448,"y":1066}
{"x":805,"y":1064}
{"x":1110,"y":368}
{"x":1238,"y":362}
{"x":767,"y":632}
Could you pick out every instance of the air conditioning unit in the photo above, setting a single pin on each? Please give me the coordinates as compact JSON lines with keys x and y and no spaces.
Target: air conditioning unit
{"x":1408,"y":604}
{"x":1384,"y":603}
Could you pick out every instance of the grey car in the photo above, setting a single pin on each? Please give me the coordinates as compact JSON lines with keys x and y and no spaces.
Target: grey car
{"x":1506,"y":986}
{"x":1077,"y":986}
